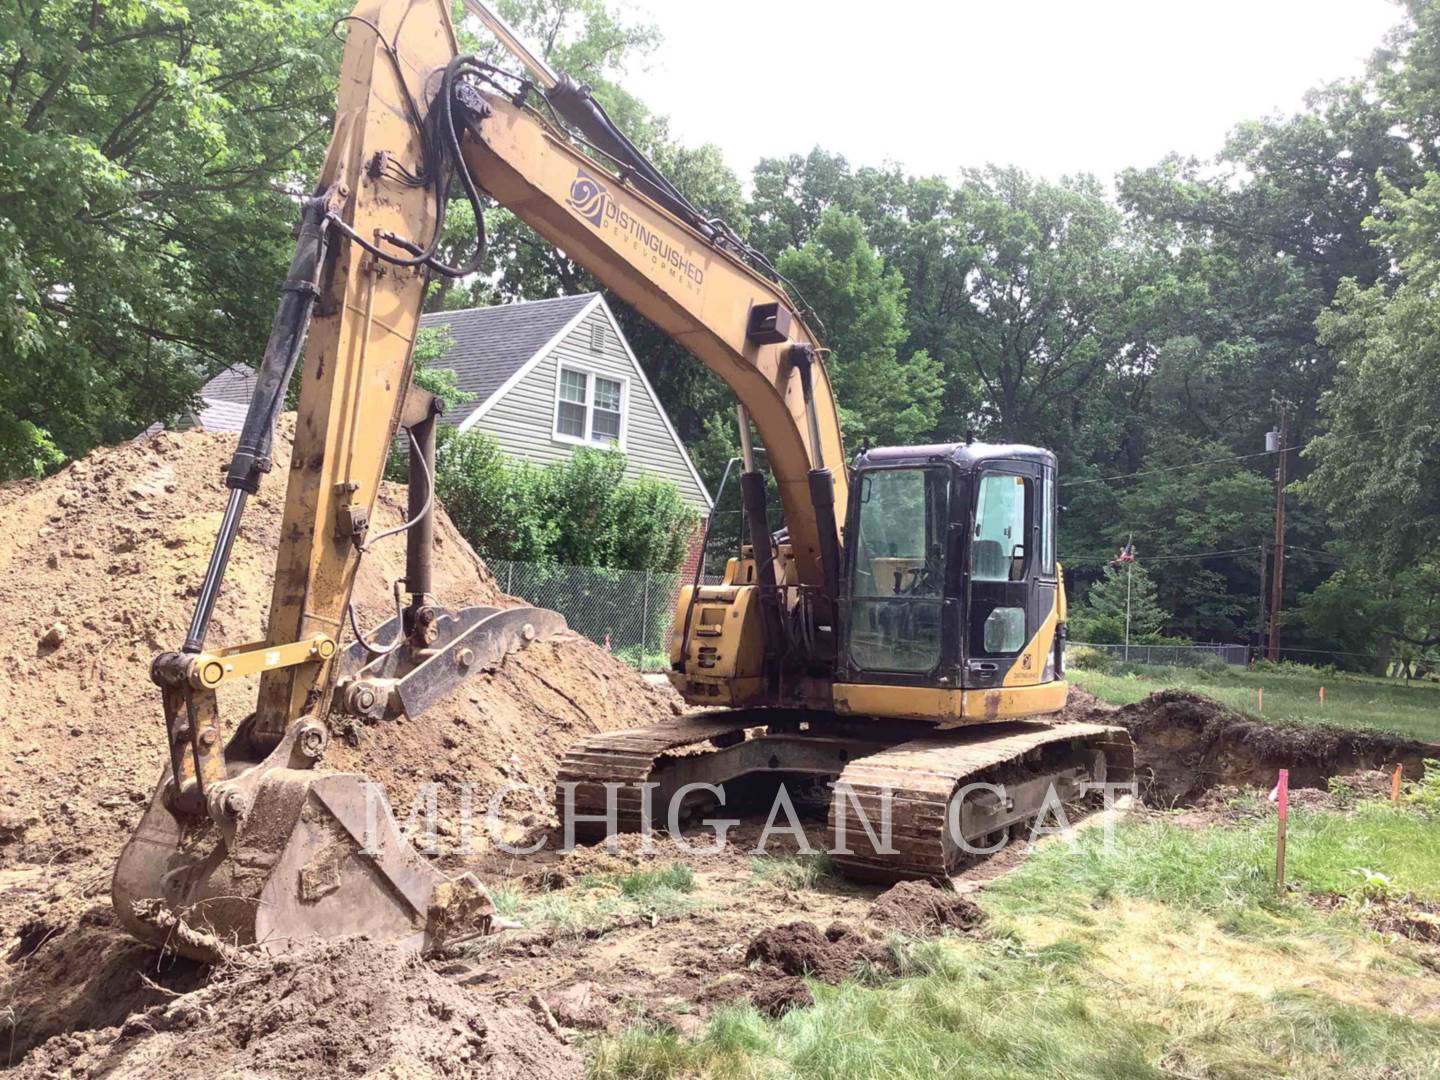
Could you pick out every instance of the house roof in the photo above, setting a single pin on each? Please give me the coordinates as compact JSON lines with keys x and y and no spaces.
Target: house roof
{"x":234,"y":385}
{"x":493,"y":343}
{"x":494,"y":347}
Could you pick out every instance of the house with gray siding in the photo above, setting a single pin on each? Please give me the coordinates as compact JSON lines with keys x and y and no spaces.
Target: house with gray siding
{"x":547,"y":376}
{"x":544,"y":377}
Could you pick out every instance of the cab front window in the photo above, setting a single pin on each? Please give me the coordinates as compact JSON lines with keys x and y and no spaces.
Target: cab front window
{"x":897,"y":585}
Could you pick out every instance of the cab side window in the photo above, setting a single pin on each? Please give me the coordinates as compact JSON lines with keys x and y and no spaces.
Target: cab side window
{"x":998,"y":549}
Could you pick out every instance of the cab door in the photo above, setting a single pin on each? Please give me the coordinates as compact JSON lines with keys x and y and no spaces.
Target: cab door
{"x":1004,"y":564}
{"x":895,"y":608}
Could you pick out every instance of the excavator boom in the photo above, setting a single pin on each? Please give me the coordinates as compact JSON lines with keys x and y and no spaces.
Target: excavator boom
{"x":843,"y":654}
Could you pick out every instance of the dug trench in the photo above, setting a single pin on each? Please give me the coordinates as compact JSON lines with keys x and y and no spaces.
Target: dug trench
{"x":97,"y":572}
{"x":1186,"y":744}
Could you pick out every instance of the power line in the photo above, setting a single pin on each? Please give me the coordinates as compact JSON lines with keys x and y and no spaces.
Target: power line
{"x":1246,"y":457}
{"x":1168,"y":558}
{"x":1314,"y":553}
{"x":1169,"y":469}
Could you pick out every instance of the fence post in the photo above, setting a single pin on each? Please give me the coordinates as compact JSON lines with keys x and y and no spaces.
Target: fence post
{"x":510,"y":578}
{"x":645,"y":618}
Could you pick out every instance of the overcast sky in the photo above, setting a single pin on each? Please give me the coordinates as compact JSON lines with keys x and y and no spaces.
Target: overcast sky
{"x":1055,"y":86}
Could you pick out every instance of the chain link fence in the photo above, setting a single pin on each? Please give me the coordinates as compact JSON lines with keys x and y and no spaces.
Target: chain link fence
{"x":1175,"y":655}
{"x":629,"y":611}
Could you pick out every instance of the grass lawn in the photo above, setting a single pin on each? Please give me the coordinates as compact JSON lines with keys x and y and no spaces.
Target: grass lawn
{"x":1291,"y":693}
{"x":1166,"y":953}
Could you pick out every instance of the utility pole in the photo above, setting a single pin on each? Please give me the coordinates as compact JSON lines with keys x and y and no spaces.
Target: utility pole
{"x":1261,"y":626}
{"x":1277,"y":572}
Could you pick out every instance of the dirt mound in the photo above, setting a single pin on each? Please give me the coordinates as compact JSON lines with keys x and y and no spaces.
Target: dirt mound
{"x":341,"y":1008}
{"x":1186,"y":743}
{"x":917,"y":907}
{"x":799,"y":948}
{"x":99,"y":567}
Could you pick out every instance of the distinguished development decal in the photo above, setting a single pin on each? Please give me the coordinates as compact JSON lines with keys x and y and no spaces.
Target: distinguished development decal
{"x":592,"y":201}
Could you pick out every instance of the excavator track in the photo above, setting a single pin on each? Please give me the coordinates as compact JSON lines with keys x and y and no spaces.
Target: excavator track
{"x":923,"y":776}
{"x":916,"y":779}
{"x":629,"y":758}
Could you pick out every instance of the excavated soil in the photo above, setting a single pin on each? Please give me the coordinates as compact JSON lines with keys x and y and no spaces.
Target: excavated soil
{"x":800,"y":948}
{"x":1186,"y":744}
{"x":918,"y":907}
{"x":336,"y":1009}
{"x":98,"y":572}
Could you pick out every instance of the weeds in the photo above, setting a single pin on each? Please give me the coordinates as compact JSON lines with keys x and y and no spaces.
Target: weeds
{"x":676,"y":877}
{"x":599,"y":902}
{"x":506,"y":898}
{"x":794,"y":871}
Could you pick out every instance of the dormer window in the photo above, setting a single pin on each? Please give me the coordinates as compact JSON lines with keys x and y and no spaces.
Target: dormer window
{"x":589,"y":407}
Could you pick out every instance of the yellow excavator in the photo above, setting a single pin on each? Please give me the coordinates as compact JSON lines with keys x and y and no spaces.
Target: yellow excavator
{"x":897,"y":638}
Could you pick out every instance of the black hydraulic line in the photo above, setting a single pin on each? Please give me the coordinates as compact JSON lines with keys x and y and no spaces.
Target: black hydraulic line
{"x":420,"y":540}
{"x":822,"y":497}
{"x":575,"y":103}
{"x":252,"y":457}
{"x":822,"y":486}
{"x":753,"y":498}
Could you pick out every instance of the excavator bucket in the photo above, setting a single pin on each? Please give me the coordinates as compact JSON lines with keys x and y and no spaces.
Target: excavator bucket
{"x":294,"y":854}
{"x":281,"y":853}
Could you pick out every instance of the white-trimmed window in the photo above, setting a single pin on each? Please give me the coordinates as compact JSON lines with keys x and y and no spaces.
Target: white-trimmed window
{"x":589,"y":407}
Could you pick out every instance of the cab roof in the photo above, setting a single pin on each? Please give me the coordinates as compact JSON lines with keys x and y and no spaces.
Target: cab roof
{"x":967,"y":456}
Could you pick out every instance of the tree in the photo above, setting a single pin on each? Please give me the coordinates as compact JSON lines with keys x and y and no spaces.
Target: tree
{"x":1370,"y":619}
{"x":1377,"y":466}
{"x":1100,"y":617}
{"x":433,"y":344}
{"x":148,"y":152}
{"x":861,"y":306}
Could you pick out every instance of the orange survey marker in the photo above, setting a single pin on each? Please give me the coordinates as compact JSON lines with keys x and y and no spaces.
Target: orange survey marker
{"x":1322,"y":697}
{"x":1281,"y":796}
{"x":1395,"y":784}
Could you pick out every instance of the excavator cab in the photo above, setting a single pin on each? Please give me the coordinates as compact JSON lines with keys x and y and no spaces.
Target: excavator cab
{"x":950,"y":578}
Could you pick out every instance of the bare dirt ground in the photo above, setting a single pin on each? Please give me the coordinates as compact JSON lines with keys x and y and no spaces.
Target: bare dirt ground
{"x":98,"y":566}
{"x":98,"y":570}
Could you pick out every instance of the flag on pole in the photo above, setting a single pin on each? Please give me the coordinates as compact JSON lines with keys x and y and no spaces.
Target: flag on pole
{"x":1127,"y":554}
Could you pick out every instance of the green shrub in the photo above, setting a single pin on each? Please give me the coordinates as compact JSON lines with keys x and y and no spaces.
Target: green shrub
{"x":1087,"y":659}
{"x":581,"y":511}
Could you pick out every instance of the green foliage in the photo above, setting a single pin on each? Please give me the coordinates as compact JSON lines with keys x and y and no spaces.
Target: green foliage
{"x":1377,"y":468}
{"x":1100,"y":617}
{"x":1424,"y":793}
{"x":500,"y":506}
{"x":145,"y":154}
{"x":640,"y":883}
{"x":581,"y":511}
{"x":883,"y":400}
{"x":434,"y":343}
{"x":1100,"y":660}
